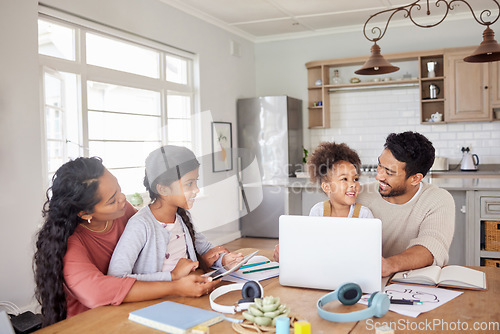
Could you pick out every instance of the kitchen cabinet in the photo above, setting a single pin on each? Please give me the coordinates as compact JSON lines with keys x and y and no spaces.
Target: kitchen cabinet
{"x":318,"y":104}
{"x":495,"y":85}
{"x":486,"y":206}
{"x":320,"y":83}
{"x":430,"y":105}
{"x":467,"y":93}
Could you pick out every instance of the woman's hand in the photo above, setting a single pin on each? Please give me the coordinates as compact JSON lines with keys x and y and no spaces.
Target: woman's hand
{"x":194,"y":286}
{"x":213,"y":254}
{"x":276,"y":254}
{"x":183,"y":268}
{"x":231,"y":259}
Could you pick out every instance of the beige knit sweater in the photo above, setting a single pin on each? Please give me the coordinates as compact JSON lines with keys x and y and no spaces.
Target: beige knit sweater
{"x":427,"y":220}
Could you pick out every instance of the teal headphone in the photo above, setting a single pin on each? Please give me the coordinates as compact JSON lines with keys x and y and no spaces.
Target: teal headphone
{"x":349,"y":294}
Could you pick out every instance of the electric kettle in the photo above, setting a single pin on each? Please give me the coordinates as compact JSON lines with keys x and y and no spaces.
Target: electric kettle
{"x":469,"y":162}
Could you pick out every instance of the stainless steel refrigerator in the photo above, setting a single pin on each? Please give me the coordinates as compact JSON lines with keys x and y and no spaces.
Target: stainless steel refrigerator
{"x":270,"y":130}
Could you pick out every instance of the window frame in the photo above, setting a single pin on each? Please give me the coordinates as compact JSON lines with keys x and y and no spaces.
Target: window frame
{"x":86,"y":72}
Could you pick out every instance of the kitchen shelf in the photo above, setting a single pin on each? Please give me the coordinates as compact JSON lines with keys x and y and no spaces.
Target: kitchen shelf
{"x":432,"y":100}
{"x":489,"y":254}
{"x":432,"y":79}
{"x":414,"y":62}
{"x":373,"y":85}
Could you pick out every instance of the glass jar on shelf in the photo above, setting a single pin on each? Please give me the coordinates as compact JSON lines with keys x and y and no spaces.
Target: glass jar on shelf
{"x":336,"y":79}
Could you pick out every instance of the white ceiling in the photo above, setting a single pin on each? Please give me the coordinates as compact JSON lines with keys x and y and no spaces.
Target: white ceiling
{"x":261,"y":20}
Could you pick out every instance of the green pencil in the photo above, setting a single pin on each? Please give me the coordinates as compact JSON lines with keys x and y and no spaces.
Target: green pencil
{"x":261,"y":269}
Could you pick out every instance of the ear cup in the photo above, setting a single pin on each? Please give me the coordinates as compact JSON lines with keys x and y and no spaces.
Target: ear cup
{"x":249,"y":292}
{"x":380,"y":303}
{"x":349,"y":293}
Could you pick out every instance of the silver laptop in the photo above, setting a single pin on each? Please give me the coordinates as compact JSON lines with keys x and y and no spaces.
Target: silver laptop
{"x":324,"y":252}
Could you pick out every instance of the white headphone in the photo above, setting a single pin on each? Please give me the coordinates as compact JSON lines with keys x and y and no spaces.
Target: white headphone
{"x":249,"y":291}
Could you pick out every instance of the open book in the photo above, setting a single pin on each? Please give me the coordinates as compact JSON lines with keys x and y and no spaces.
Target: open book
{"x":449,"y":276}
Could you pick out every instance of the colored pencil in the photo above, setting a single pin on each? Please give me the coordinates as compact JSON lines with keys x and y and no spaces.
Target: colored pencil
{"x":253,"y":264}
{"x":261,"y":269}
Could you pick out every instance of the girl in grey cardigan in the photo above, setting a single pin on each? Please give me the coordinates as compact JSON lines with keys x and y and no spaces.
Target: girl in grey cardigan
{"x":159,"y":241}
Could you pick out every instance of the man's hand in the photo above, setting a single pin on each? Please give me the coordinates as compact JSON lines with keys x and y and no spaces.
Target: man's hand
{"x":276,"y":254}
{"x":413,"y":258}
{"x":387,"y":267}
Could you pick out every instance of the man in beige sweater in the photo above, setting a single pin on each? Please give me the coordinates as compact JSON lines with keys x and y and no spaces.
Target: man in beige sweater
{"x":418,"y":218}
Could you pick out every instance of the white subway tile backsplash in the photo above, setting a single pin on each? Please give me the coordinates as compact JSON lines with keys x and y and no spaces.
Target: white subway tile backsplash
{"x":363,"y":119}
{"x":473,"y":127}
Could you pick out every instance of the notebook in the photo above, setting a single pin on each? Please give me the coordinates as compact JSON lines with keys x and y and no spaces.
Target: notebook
{"x":174,"y":317}
{"x":324,"y":252}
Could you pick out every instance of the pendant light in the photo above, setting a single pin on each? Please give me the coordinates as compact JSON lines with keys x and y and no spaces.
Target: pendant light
{"x":488,"y":51}
{"x":376,"y":64}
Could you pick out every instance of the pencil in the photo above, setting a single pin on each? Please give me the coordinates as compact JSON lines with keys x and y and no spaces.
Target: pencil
{"x":261,"y":269}
{"x":253,"y":264}
{"x":405,"y":302}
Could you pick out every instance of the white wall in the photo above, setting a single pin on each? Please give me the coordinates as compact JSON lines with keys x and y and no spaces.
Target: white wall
{"x":370,"y":116}
{"x":21,"y":194}
{"x":223,"y":79}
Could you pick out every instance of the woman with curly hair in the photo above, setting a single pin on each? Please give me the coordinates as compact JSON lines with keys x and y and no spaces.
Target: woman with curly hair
{"x":85,"y":215}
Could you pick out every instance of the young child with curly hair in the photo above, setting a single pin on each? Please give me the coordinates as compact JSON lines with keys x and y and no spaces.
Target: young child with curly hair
{"x":336,"y":168}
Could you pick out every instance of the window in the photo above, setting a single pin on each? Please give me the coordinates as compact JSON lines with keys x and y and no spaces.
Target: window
{"x":111,"y":97}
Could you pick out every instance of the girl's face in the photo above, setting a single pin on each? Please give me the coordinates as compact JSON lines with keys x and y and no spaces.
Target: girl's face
{"x":112,"y":203}
{"x":343,"y":184}
{"x":184,"y":191}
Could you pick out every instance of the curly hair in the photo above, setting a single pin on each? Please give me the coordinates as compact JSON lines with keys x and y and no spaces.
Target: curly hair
{"x":74,"y":189}
{"x":412,"y":148}
{"x":326,"y":155}
{"x":166,"y":178}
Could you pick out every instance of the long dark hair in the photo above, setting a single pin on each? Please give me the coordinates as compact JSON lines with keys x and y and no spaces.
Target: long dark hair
{"x":172,"y":171}
{"x":74,"y":189}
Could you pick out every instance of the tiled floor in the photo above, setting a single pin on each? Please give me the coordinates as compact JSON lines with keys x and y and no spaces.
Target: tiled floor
{"x":261,"y":243}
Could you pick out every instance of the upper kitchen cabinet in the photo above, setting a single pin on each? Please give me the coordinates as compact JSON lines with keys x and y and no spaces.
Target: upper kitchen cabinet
{"x":451,"y":90}
{"x":495,"y":84}
{"x":424,"y":69}
{"x":432,"y":88}
{"x":318,"y":103}
{"x":468,"y":91}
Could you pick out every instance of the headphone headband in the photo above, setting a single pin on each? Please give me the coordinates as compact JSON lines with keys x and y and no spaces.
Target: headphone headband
{"x":249,"y":290}
{"x":349,"y":294}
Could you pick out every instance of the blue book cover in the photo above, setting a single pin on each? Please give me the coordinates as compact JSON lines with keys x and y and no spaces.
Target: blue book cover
{"x":173,"y":317}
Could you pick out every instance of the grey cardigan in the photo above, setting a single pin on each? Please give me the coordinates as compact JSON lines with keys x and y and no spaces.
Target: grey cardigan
{"x":141,"y":250}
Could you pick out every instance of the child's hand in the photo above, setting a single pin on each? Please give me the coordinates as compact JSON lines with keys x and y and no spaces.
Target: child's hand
{"x":194,"y":286}
{"x":213,"y":254}
{"x":183,"y":268}
{"x":231,"y":259}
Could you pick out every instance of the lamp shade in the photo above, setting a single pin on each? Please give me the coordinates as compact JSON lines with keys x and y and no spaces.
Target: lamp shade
{"x":376,"y":64}
{"x":488,"y":50}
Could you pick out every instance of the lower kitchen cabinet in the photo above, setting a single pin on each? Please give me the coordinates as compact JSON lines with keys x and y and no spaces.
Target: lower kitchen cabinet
{"x":484,"y":229}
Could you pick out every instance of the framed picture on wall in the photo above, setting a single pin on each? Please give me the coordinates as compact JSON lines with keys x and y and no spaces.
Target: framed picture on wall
{"x":222,"y":143}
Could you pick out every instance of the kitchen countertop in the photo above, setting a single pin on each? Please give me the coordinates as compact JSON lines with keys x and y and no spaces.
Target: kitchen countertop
{"x":486,"y":178}
{"x":486,"y":170}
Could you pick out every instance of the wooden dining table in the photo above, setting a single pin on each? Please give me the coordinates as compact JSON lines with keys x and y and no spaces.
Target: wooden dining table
{"x":471,"y":312}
